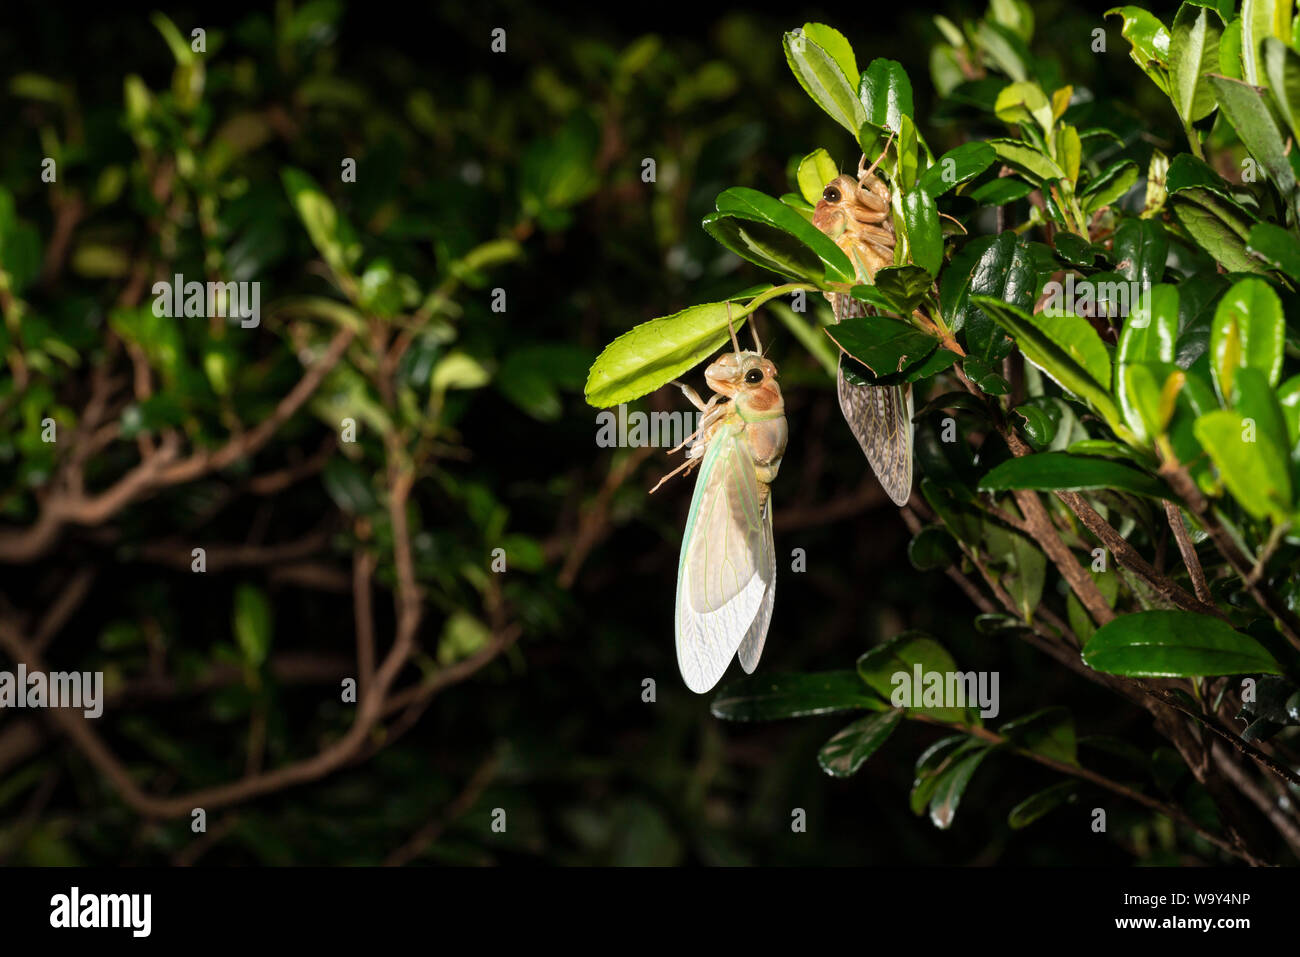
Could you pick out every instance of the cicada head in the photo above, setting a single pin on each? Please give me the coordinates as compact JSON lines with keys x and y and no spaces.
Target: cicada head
{"x":856,"y":214}
{"x":749,"y":380}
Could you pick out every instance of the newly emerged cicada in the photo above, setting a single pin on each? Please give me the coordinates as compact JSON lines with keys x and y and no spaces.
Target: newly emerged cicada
{"x":855,"y":212}
{"x":726,"y":576}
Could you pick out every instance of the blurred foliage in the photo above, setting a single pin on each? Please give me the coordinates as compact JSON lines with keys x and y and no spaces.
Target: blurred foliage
{"x":475,"y":172}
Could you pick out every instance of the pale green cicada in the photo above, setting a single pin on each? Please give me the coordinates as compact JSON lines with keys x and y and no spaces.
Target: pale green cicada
{"x":726,"y":577}
{"x":856,"y":214}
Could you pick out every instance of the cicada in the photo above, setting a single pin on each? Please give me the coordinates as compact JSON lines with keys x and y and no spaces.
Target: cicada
{"x":856,"y":214}
{"x":726,"y":576}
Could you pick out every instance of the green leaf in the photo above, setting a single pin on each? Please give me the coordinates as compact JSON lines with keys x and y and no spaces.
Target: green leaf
{"x":1255,"y":399}
{"x":1020,"y":104}
{"x":933,"y":762}
{"x":1140,"y":248}
{"x":1049,"y":732}
{"x":559,"y":171}
{"x":951,"y":786}
{"x":815,"y":171}
{"x":1149,"y":42}
{"x":1140,"y":398}
{"x":1109,"y":186}
{"x":784,"y":242}
{"x":655,"y":352}
{"x":1248,"y":330}
{"x":1193,"y":52}
{"x":1020,"y":564}
{"x":839,"y":48}
{"x":252,"y":620}
{"x":1277,"y":247}
{"x":932,"y":548}
{"x":1260,"y":19}
{"x":1253,"y":120}
{"x":1288,"y":397}
{"x":1217,"y":229}
{"x":1000,"y":191}
{"x":885,"y":346}
{"x":1175,"y":644}
{"x":904,"y":287}
{"x":1004,"y":47}
{"x":772,"y":696}
{"x":956,"y":166}
{"x":1145,"y":358}
{"x":886,"y":94}
{"x":1038,"y":166}
{"x":924,"y":235}
{"x":1067,"y":348}
{"x":349,"y":486}
{"x":823,"y":79}
{"x":1282,"y":67}
{"x":1005,"y":272}
{"x":1053,"y":471}
{"x":843,"y":754}
{"x":889,"y":669}
{"x":1150,"y":332}
{"x":1255,"y":472}
{"x":1037,"y":805}
{"x":1230,"y":50}
{"x":330,"y":233}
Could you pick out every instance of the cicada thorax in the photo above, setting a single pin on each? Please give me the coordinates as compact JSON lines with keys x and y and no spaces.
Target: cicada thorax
{"x":754,"y":406}
{"x":858,"y":216}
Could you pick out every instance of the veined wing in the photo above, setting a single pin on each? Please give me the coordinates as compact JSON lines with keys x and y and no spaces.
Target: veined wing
{"x":751,"y":649}
{"x":719,"y":586}
{"x":880,"y":418}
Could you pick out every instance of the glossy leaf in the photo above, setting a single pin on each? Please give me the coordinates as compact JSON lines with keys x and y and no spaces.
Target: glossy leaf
{"x":815,"y":171}
{"x":767,"y":697}
{"x":1067,"y":348}
{"x":1248,"y":330}
{"x":1053,"y":471}
{"x":956,"y":166}
{"x":655,"y":352}
{"x":951,"y":786}
{"x":1049,"y":732}
{"x":845,"y":753}
{"x":1193,"y":53}
{"x":1037,"y":805}
{"x":890,"y":670}
{"x":824,"y":80}
{"x":924,"y":236}
{"x":1174,"y":644}
{"x":1255,"y":472}
{"x":886,"y":93}
{"x":742,"y":203}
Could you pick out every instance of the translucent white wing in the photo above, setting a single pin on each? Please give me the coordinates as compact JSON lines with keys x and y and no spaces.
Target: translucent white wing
{"x":751,"y":649}
{"x":719,"y":587}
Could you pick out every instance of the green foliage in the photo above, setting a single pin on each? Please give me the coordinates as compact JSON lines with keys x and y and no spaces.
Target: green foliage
{"x":1105,"y":359}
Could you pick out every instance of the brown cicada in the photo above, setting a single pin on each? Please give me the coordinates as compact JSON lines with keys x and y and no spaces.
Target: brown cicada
{"x":855,"y":212}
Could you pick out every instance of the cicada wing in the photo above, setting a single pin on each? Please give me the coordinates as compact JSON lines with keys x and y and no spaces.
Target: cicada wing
{"x":881,"y":420}
{"x":751,"y":649}
{"x":719,"y":586}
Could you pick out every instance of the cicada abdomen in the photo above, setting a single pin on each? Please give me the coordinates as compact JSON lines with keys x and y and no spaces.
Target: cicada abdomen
{"x":856,"y":214}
